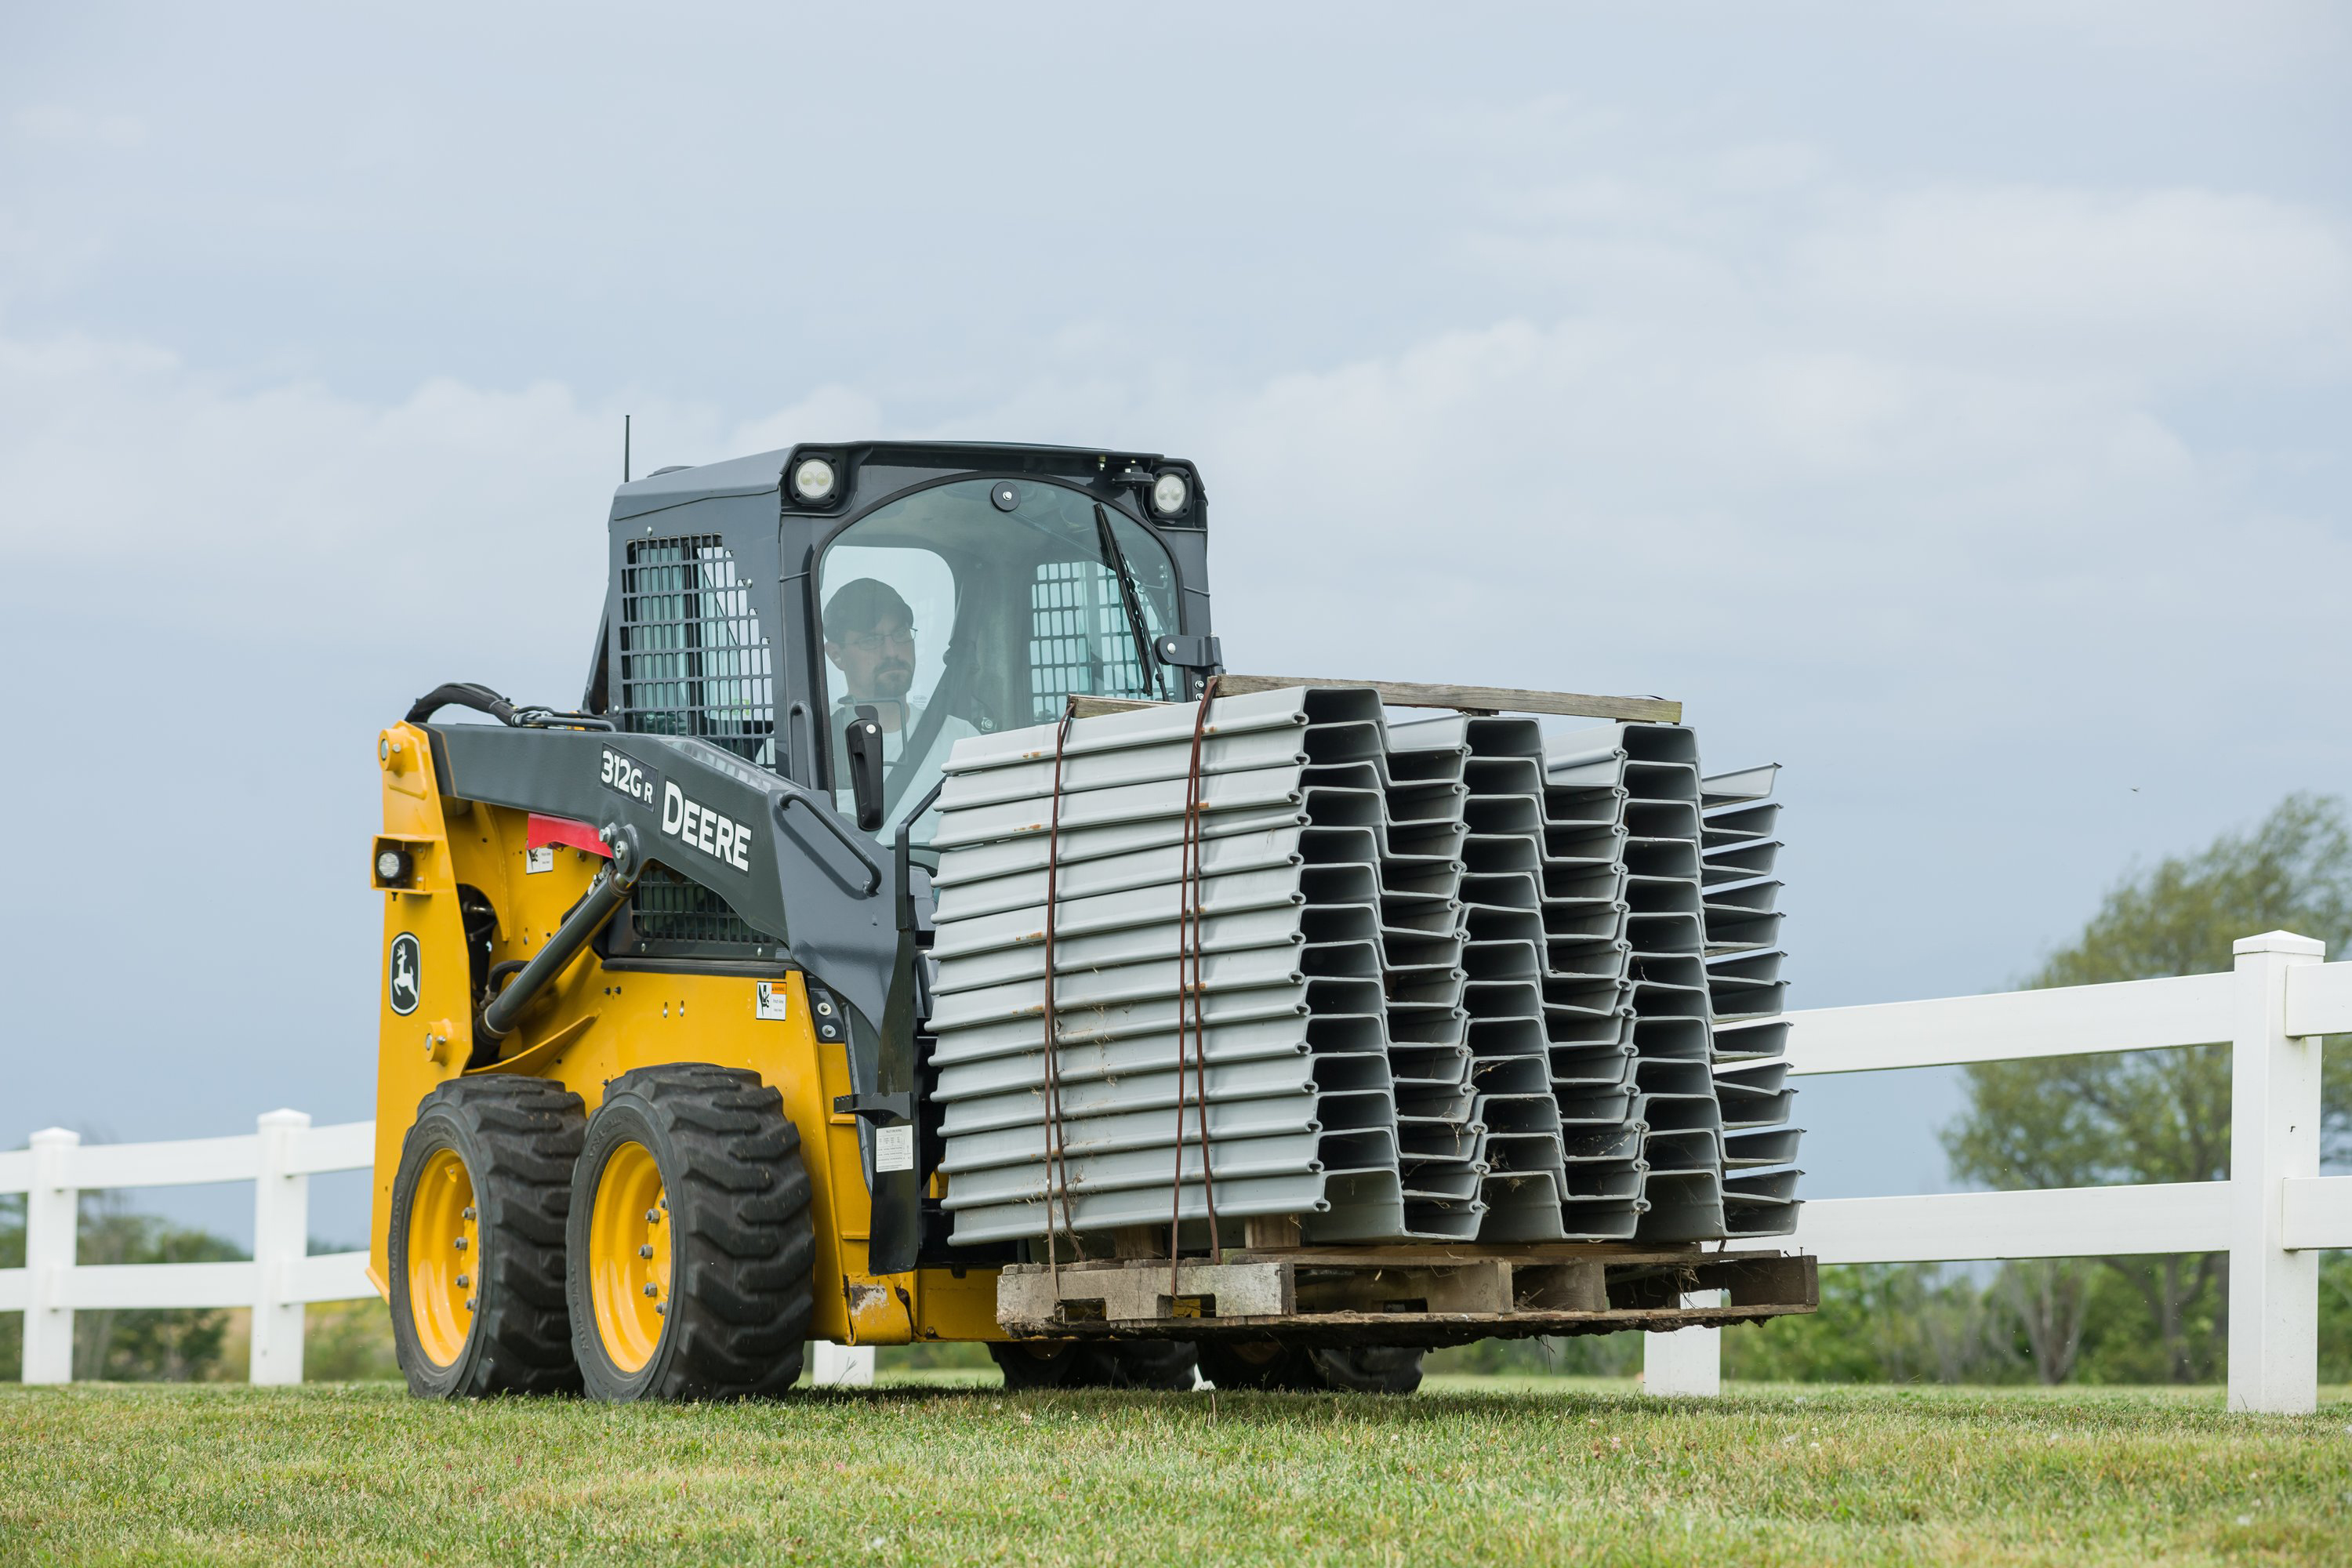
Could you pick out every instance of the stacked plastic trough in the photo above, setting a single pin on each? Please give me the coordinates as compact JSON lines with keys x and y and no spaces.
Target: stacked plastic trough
{"x":1739,"y":853}
{"x":1447,"y":988}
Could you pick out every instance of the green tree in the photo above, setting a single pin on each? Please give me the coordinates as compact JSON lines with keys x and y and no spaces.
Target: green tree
{"x":348,"y":1341}
{"x":169,"y":1345}
{"x":2158,"y":1116}
{"x":2335,"y":1317}
{"x":2047,"y":1302}
{"x":1883,"y":1323}
{"x":178,"y":1344}
{"x":11,"y":1256}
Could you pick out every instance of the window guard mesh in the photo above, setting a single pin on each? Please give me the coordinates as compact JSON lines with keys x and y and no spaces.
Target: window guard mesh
{"x":693,"y":659}
{"x":1079,"y":642}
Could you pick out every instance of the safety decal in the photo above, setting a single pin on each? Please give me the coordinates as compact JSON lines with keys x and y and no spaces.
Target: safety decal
{"x":543,"y":858}
{"x":772,"y":999}
{"x":894,"y":1148}
{"x":404,"y":976}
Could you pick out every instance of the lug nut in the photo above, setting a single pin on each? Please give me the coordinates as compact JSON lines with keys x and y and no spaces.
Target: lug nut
{"x":646,"y":1250}
{"x":661,"y":1309}
{"x":465,"y":1281}
{"x":650,"y":1290}
{"x":469,"y":1211}
{"x":469,"y":1303}
{"x":461,"y":1243}
{"x":653,"y":1217}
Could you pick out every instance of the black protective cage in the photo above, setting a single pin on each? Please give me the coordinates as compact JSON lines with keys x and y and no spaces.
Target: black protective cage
{"x":711,"y":627}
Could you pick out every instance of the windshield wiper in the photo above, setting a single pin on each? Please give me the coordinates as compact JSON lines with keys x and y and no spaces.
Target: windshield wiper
{"x":1145,"y":657}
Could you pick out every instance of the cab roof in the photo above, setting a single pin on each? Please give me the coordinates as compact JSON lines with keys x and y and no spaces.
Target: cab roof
{"x":762,"y":473}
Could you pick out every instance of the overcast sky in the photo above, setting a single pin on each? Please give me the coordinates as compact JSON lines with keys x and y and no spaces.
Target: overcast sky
{"x":1948,"y":404}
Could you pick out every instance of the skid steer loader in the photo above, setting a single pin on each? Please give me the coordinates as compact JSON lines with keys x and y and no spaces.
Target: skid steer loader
{"x":651,"y":1096}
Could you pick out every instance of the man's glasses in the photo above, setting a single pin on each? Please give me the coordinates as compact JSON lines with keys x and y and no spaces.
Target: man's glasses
{"x":875,"y":642}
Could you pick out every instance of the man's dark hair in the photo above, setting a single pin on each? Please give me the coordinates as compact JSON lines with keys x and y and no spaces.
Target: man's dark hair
{"x":860,"y":606}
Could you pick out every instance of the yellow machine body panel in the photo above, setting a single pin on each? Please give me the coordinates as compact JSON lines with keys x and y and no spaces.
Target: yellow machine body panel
{"x":594,"y":1023}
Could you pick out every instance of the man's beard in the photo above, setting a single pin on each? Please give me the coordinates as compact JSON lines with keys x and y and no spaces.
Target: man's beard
{"x":891,"y":681}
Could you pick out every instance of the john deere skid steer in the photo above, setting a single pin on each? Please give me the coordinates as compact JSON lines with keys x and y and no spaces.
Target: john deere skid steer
{"x":655,"y":1098}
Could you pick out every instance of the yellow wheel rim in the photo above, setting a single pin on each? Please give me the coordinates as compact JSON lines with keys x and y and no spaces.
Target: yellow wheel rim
{"x":445,"y":1261}
{"x":629,"y":1257}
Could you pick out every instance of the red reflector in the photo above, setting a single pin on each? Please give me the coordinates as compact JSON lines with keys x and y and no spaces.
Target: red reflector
{"x":546,"y":830}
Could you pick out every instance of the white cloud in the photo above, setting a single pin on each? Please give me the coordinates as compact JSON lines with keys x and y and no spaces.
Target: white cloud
{"x":60,"y":126}
{"x":1800,"y":476}
{"x":1936,"y":455}
{"x":2173,"y":283}
{"x":2252,"y":37}
{"x":1853,"y":503}
{"x":828,"y":413}
{"x":296,"y":511}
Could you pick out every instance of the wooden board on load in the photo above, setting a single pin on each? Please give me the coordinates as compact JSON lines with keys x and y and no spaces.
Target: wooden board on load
{"x":1401,"y":1295}
{"x":1421,"y":694}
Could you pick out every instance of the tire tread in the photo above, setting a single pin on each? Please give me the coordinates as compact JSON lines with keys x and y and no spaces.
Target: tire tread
{"x":741,"y":1203}
{"x":528,"y":1132}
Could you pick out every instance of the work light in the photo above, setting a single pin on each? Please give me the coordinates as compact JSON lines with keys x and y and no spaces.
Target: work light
{"x":813,"y":481}
{"x":1169,"y":492}
{"x":392,"y":866}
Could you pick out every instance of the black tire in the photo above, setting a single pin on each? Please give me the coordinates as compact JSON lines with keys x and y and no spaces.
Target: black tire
{"x":1369,"y":1369}
{"x":1235,"y":1365}
{"x":517,"y":1139}
{"x":741,"y":1243}
{"x":1161,"y":1365}
{"x":1270,"y":1366}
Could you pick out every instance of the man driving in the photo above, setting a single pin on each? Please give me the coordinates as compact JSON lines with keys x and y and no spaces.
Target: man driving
{"x":869,"y":638}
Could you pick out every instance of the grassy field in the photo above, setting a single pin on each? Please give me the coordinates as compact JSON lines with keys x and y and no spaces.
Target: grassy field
{"x":945,"y":1469}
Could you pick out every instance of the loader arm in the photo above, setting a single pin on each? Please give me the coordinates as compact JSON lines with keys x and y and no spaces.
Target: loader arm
{"x":780,"y":854}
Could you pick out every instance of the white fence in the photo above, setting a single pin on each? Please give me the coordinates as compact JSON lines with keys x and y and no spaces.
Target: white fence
{"x":278,"y":1159}
{"x":2271,"y":1216}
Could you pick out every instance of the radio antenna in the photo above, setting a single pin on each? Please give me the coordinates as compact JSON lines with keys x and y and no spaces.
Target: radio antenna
{"x":624,"y":449}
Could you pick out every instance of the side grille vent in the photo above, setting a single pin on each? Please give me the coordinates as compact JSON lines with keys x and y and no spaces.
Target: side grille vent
{"x":666,"y":907}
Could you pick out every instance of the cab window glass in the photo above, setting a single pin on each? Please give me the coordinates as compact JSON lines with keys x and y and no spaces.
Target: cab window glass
{"x":951,"y":614}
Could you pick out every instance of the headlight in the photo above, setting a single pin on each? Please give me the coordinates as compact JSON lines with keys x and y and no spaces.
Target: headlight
{"x":392,"y":866}
{"x":813,"y":481}
{"x":1169,"y":493}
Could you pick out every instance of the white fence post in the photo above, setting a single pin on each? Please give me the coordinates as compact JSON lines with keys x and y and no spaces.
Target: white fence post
{"x":52,"y":1218}
{"x":281,"y":1239}
{"x":2274,"y":1136}
{"x":1687,"y":1362}
{"x":841,"y":1366}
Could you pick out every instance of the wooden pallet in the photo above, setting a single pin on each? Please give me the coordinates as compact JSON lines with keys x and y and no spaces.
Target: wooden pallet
{"x":1400,"y":1295}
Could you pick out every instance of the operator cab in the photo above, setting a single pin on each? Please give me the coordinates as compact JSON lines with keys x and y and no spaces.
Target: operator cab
{"x":983,"y":604}
{"x":938,"y":590}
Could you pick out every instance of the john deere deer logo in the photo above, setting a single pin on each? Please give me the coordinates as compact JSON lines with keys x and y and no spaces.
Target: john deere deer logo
{"x":405,"y":965}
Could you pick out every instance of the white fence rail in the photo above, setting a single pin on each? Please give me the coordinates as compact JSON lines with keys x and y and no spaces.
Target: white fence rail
{"x":2270,"y":1215}
{"x":279,"y":1158}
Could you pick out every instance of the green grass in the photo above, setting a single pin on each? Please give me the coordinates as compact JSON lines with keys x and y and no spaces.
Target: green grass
{"x":937,"y":1467}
